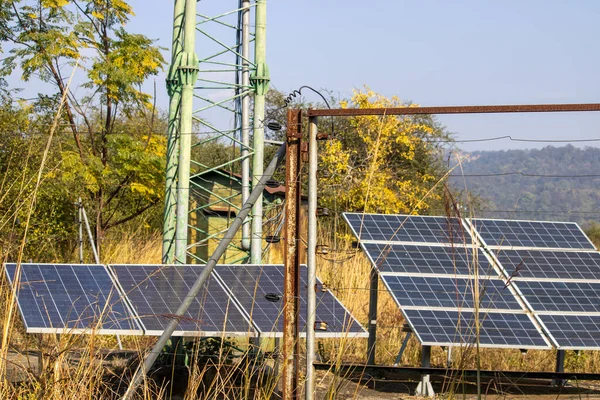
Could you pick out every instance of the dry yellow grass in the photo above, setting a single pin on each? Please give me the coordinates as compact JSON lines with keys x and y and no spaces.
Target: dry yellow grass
{"x":344,"y":270}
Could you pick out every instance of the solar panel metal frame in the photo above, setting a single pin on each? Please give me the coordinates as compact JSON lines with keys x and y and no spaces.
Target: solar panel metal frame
{"x":80,"y":331}
{"x":473,"y":228}
{"x":272,"y":334}
{"x":184,"y":333}
{"x":455,"y":244}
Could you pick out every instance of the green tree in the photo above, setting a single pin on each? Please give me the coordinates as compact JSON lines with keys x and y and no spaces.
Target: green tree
{"x":115,"y":159}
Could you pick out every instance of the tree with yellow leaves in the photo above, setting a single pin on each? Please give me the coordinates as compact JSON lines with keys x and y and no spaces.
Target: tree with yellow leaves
{"x":383,"y":164}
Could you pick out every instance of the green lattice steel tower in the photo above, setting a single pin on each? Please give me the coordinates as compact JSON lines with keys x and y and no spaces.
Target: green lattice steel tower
{"x":213,"y":77}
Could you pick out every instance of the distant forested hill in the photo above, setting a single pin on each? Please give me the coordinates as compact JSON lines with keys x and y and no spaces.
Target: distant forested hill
{"x":558,"y":195}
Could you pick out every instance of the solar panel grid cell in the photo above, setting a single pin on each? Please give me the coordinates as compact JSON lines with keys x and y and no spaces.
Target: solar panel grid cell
{"x":70,"y":298}
{"x":550,"y":264}
{"x":251,"y":284}
{"x":449,"y":292}
{"x":156,"y":292}
{"x":415,"y":259}
{"x":443,"y":327}
{"x":407,"y":228}
{"x":507,"y":233}
{"x":561,"y":296}
{"x":574,"y":331}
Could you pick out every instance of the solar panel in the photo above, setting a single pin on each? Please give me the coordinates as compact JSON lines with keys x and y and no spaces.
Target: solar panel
{"x":415,"y":259}
{"x":71,"y":298}
{"x":447,"y":328}
{"x":156,"y":292}
{"x":550,"y":264}
{"x":259,"y":290}
{"x":566,"y":296}
{"x":449,"y":292}
{"x":573,"y":331}
{"x":407,"y":228}
{"x":510,"y":233}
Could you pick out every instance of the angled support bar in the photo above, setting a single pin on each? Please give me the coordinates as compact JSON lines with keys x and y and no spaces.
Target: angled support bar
{"x":210,"y":265}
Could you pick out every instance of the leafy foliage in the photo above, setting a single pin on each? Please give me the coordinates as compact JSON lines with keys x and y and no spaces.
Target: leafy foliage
{"x":114,"y":159}
{"x":383,"y":164}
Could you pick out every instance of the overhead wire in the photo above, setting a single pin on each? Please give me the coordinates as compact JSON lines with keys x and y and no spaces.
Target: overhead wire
{"x":509,"y":137}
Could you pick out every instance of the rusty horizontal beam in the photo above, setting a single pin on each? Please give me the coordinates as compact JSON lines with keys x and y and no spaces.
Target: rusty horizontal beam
{"x":397,"y":372}
{"x":499,"y":109}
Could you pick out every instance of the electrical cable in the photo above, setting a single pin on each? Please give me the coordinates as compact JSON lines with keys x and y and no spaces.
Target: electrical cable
{"x":516,"y":140}
{"x":290,"y":98}
{"x":525,"y":174}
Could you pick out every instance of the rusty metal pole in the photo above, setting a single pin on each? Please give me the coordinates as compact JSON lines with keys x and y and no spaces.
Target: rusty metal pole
{"x":292,"y":257}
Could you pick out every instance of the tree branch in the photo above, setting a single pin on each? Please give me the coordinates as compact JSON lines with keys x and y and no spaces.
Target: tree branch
{"x":137,"y":213}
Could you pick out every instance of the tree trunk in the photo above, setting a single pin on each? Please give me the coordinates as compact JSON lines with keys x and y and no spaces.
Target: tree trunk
{"x":67,"y":107}
{"x":99,"y":225}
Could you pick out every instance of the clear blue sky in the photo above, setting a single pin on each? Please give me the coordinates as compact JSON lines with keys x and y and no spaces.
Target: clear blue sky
{"x":434,"y":53}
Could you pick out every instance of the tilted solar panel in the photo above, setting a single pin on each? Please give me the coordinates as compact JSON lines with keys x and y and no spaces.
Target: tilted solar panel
{"x":561,"y":296}
{"x":156,"y":292}
{"x":449,"y":292}
{"x":576,"y":332}
{"x":511,"y":233}
{"x":448,"y":328}
{"x":259,"y":290}
{"x":416,"y":259}
{"x":550,"y":264}
{"x":407,"y":228}
{"x":71,"y":298}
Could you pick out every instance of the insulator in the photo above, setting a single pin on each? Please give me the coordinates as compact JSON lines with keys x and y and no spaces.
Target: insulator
{"x":322,"y":249}
{"x":272,"y":239}
{"x":273,"y":183}
{"x":272,"y":297}
{"x":320,"y":326}
{"x":274,"y":126}
{"x":322,"y":212}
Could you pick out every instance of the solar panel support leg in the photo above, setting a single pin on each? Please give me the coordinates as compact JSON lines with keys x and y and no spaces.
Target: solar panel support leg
{"x":402,"y":348}
{"x":560,"y":367}
{"x":424,"y":387}
{"x":372,"y":341}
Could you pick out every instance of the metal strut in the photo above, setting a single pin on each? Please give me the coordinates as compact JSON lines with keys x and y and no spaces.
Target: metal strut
{"x":203,"y":277}
{"x":210,"y":107}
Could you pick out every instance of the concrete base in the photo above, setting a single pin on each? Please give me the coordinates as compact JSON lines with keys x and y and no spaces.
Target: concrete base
{"x":424,"y":387}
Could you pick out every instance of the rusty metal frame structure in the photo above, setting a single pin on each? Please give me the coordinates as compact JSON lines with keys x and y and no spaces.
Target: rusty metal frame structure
{"x":291,"y":289}
{"x":499,"y":109}
{"x":294,"y":121}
